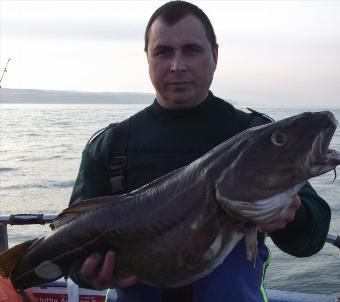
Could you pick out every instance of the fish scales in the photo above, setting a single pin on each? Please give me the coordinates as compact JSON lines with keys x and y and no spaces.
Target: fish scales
{"x":181,"y":226}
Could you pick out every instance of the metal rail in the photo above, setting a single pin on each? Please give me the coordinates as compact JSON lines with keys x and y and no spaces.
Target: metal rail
{"x":333,"y":239}
{"x":20,"y":219}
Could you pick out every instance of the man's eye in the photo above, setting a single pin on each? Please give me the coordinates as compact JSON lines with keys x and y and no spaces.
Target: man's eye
{"x":162,"y":52}
{"x":192,"y":50}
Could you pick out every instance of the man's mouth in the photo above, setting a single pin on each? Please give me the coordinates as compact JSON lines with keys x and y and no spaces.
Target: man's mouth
{"x":178,"y":83}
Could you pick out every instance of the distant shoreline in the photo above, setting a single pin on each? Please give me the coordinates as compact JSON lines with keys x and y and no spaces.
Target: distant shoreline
{"x":35,"y":96}
{"x":74,"y":103}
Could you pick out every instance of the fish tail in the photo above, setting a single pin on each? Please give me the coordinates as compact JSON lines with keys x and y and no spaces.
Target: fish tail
{"x":10,"y":258}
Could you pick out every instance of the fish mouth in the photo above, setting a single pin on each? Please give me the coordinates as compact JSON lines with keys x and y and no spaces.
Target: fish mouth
{"x":321,"y":158}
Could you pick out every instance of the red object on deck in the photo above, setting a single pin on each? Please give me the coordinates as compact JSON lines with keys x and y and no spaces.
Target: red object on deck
{"x":9,"y":294}
{"x":59,"y":294}
{"x":57,"y":297}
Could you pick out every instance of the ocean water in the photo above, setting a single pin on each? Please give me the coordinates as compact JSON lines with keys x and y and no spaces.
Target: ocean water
{"x":40,"y":150}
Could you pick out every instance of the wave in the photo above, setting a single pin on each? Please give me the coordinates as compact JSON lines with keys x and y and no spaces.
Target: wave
{"x":7,"y":170}
{"x":45,"y":185}
{"x":41,"y":158}
{"x":64,"y":184}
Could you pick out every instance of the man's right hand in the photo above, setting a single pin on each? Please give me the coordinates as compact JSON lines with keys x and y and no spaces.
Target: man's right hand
{"x":102,"y":277}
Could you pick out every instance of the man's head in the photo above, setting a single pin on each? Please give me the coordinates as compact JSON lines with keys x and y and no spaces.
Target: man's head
{"x":182,"y":54}
{"x":173,"y":11}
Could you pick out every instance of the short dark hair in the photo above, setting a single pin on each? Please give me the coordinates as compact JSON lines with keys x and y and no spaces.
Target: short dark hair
{"x":173,"y":11}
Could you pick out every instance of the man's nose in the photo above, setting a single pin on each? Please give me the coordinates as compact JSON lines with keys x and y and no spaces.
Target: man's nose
{"x":178,"y":63}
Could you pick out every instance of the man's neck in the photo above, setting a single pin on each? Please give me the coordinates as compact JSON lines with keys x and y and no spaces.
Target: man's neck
{"x":180,"y":104}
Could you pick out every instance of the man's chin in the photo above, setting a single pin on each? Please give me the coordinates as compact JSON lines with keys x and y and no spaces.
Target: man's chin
{"x":182,"y":100}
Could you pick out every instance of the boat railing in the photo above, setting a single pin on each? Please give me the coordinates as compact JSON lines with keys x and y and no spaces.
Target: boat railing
{"x":73,"y":291}
{"x":20,"y":219}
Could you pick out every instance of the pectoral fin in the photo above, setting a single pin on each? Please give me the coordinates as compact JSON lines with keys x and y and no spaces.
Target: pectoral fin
{"x":10,"y":258}
{"x":199,"y":243}
{"x":193,"y":249}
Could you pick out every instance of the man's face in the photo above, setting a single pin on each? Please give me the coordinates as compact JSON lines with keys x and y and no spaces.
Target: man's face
{"x":181,"y":62}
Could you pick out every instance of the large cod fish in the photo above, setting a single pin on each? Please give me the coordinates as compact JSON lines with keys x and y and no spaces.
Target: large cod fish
{"x":181,"y":226}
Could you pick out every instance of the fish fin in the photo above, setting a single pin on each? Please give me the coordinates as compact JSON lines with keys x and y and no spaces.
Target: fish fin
{"x":251,"y":245}
{"x":192,"y":250}
{"x":69,"y":214}
{"x":10,"y":258}
{"x":198,"y":245}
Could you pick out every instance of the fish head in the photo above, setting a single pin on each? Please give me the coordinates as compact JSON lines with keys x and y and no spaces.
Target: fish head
{"x":276,"y":157}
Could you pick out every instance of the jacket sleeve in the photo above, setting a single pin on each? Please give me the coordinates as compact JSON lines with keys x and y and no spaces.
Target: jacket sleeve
{"x":307,"y":233}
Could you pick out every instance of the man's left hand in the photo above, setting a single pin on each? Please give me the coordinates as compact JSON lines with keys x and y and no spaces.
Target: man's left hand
{"x":284,"y":219}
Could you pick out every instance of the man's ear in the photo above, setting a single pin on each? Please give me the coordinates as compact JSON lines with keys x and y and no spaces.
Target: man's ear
{"x":215,"y":53}
{"x":147,"y":57}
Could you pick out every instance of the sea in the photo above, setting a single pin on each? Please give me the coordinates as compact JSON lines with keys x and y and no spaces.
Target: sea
{"x":40,"y":151}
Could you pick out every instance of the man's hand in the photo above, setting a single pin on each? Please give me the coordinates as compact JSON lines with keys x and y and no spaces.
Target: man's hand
{"x":284,"y":219}
{"x":275,"y":225}
{"x":101,"y":277}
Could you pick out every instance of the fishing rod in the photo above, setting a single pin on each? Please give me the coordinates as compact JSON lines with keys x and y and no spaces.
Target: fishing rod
{"x":24,"y":219}
{"x":3,"y":73}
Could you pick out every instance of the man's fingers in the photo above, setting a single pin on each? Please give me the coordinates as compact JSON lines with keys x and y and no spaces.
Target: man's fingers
{"x":282,"y":221}
{"x":106,"y":272}
{"x":296,"y":203}
{"x":100,"y":273}
{"x":290,"y":215}
{"x":271,"y":227}
{"x":89,"y":268}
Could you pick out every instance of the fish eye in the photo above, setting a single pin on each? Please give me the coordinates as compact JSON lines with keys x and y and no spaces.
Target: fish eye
{"x":279,"y":138}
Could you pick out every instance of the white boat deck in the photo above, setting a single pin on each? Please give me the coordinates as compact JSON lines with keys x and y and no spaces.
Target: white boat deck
{"x":73,"y":293}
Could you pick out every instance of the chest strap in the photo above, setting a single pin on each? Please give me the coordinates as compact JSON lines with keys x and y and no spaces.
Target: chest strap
{"x":118,"y":161}
{"x":257,"y":118}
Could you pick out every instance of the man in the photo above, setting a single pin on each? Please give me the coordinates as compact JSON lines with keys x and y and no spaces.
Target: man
{"x":185,"y":121}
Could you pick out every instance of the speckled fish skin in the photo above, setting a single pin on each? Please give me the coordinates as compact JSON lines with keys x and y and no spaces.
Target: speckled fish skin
{"x":180,"y":227}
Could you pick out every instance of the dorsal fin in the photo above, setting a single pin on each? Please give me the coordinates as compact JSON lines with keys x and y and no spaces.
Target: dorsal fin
{"x":80,"y":208}
{"x":9,"y":258}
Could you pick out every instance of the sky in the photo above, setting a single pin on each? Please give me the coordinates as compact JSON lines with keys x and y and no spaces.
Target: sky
{"x":270,"y":52}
